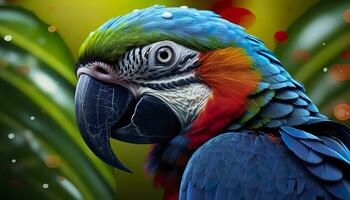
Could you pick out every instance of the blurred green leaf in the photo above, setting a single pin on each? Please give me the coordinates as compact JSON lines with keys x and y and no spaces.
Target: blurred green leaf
{"x":37,"y":87}
{"x":32,"y":35}
{"x":23,"y":169}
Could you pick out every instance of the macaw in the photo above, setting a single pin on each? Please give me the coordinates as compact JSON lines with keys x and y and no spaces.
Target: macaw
{"x":226,"y":120}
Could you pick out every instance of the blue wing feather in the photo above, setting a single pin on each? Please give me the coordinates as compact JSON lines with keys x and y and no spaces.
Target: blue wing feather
{"x":300,"y":102}
{"x":324,"y":149}
{"x":301,"y":151}
{"x":332,"y":170}
{"x":276,"y":110}
{"x":261,"y":87}
{"x":274,"y":123}
{"x":268,"y":71}
{"x":298,"y":111}
{"x":277,"y":78}
{"x":246,"y":165}
{"x":326,"y":172}
{"x":334,"y":143}
{"x":312,"y":108}
{"x":286,"y":95}
{"x":300,"y":134}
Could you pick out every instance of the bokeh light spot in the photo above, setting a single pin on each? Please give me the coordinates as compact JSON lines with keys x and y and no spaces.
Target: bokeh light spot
{"x":13,"y":160}
{"x":340,"y":72}
{"x":347,"y":16}
{"x":325,"y":69}
{"x":281,"y":36}
{"x":342,"y":111}
{"x":238,"y":15}
{"x":45,"y":185}
{"x":32,"y":118}
{"x":52,"y":29}
{"x":52,"y":161}
{"x":11,"y":136}
{"x":7,"y":38}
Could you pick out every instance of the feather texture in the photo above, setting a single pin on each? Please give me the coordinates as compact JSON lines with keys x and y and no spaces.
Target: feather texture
{"x":331,"y":169}
{"x":247,"y":165}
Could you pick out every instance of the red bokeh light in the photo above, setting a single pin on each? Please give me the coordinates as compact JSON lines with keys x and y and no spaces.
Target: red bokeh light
{"x":240,"y":16}
{"x":281,"y":36}
{"x":342,"y":111}
{"x":340,"y":72}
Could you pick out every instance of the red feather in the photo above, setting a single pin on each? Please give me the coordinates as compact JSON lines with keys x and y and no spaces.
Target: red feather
{"x":230,"y":75}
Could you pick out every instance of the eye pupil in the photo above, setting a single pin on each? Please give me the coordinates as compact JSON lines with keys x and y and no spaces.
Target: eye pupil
{"x":164,"y":55}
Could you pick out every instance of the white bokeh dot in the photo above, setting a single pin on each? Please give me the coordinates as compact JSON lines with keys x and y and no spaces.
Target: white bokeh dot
{"x":32,"y":118}
{"x":11,"y":136}
{"x":45,"y":185}
{"x":13,"y":160}
{"x":325,"y":69}
{"x":8,"y":38}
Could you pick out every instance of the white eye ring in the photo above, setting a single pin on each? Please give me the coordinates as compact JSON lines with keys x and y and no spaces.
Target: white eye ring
{"x":165,"y":55}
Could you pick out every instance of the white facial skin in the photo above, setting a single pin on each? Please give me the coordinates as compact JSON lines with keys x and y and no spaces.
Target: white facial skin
{"x":144,"y":70}
{"x":187,"y":102}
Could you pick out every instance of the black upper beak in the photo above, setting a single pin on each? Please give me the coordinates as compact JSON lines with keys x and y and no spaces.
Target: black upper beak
{"x":98,"y":107}
{"x":106,"y":110}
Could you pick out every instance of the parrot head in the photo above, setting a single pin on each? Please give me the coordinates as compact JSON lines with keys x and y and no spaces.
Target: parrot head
{"x":164,"y":76}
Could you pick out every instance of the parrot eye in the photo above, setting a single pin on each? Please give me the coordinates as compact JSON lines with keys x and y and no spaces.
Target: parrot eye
{"x":165,"y":55}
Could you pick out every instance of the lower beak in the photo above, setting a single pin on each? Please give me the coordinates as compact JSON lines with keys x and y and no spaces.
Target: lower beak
{"x":106,"y":110}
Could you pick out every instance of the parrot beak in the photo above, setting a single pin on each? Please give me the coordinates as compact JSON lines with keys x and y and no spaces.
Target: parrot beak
{"x":98,"y":106}
{"x":105,"y":110}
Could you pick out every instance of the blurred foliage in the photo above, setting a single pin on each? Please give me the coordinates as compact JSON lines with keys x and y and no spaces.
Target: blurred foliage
{"x":317,"y":43}
{"x":37,"y":90}
{"x":273,"y":16}
{"x":37,"y":83}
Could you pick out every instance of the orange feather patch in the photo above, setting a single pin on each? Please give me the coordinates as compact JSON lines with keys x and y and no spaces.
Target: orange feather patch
{"x":232,"y":78}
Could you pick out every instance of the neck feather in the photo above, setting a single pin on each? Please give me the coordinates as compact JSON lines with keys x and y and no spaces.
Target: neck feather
{"x":230,"y":74}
